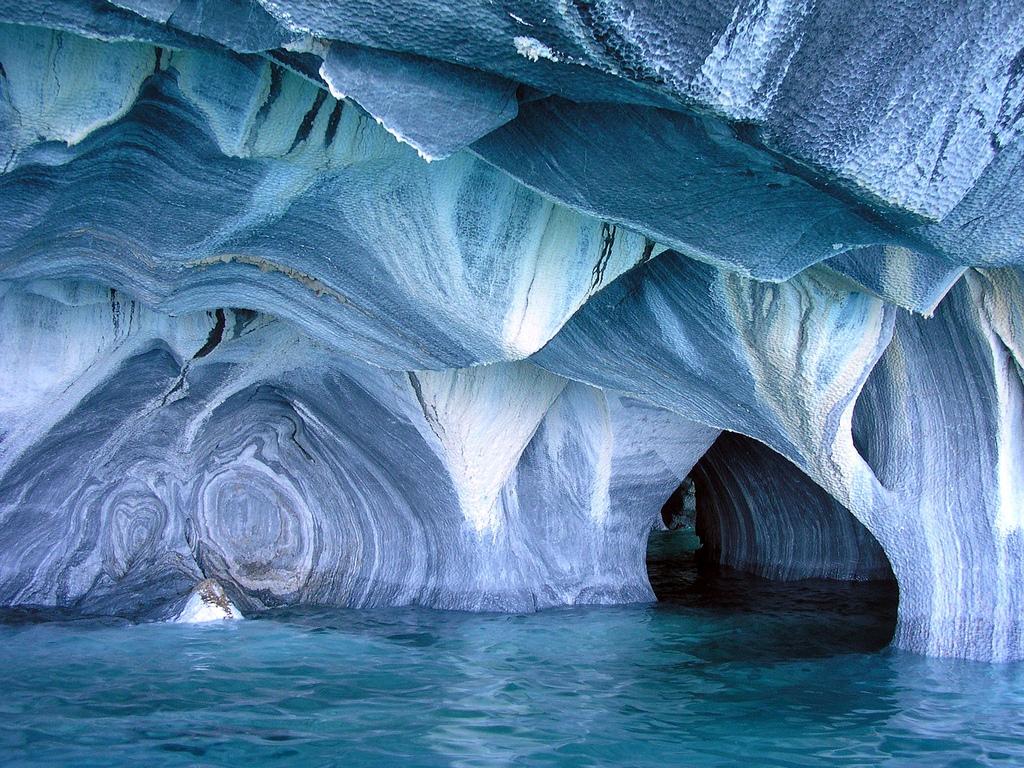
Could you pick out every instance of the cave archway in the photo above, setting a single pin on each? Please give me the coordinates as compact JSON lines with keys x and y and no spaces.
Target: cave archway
{"x":748,"y":532}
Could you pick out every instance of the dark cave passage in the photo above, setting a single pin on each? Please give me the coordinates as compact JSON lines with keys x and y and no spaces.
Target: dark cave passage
{"x":748,"y":532}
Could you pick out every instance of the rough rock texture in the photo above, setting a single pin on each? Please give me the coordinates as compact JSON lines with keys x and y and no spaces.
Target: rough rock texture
{"x":251,"y":334}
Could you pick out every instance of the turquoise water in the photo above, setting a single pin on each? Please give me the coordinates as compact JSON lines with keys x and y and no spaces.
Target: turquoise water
{"x":726,"y":670}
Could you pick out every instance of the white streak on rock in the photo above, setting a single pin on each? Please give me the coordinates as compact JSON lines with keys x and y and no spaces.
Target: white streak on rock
{"x":534,"y":50}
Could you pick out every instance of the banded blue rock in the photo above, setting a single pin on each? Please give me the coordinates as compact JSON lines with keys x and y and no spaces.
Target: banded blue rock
{"x":362,"y":304}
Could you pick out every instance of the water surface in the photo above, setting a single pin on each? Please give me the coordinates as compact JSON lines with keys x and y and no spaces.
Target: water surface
{"x":726,"y":670}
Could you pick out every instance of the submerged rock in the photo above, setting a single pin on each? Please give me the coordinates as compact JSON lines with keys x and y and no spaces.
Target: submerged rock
{"x":251,"y":335}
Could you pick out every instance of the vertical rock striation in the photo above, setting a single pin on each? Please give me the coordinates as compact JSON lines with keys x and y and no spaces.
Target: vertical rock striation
{"x":940,"y":423}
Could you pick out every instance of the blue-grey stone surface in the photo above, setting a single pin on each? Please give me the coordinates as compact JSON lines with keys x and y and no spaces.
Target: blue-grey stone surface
{"x":435,"y":107}
{"x":757,"y":512}
{"x":375,"y":303}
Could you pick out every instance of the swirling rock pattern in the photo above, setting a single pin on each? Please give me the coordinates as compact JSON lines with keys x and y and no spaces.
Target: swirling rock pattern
{"x":292,"y":474}
{"x":374,"y":304}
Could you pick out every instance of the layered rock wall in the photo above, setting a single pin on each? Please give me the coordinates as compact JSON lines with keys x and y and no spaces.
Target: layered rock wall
{"x":372,"y":304}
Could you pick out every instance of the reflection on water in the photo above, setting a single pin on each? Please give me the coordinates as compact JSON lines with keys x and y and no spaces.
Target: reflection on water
{"x":727,"y":670}
{"x":799,"y":619}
